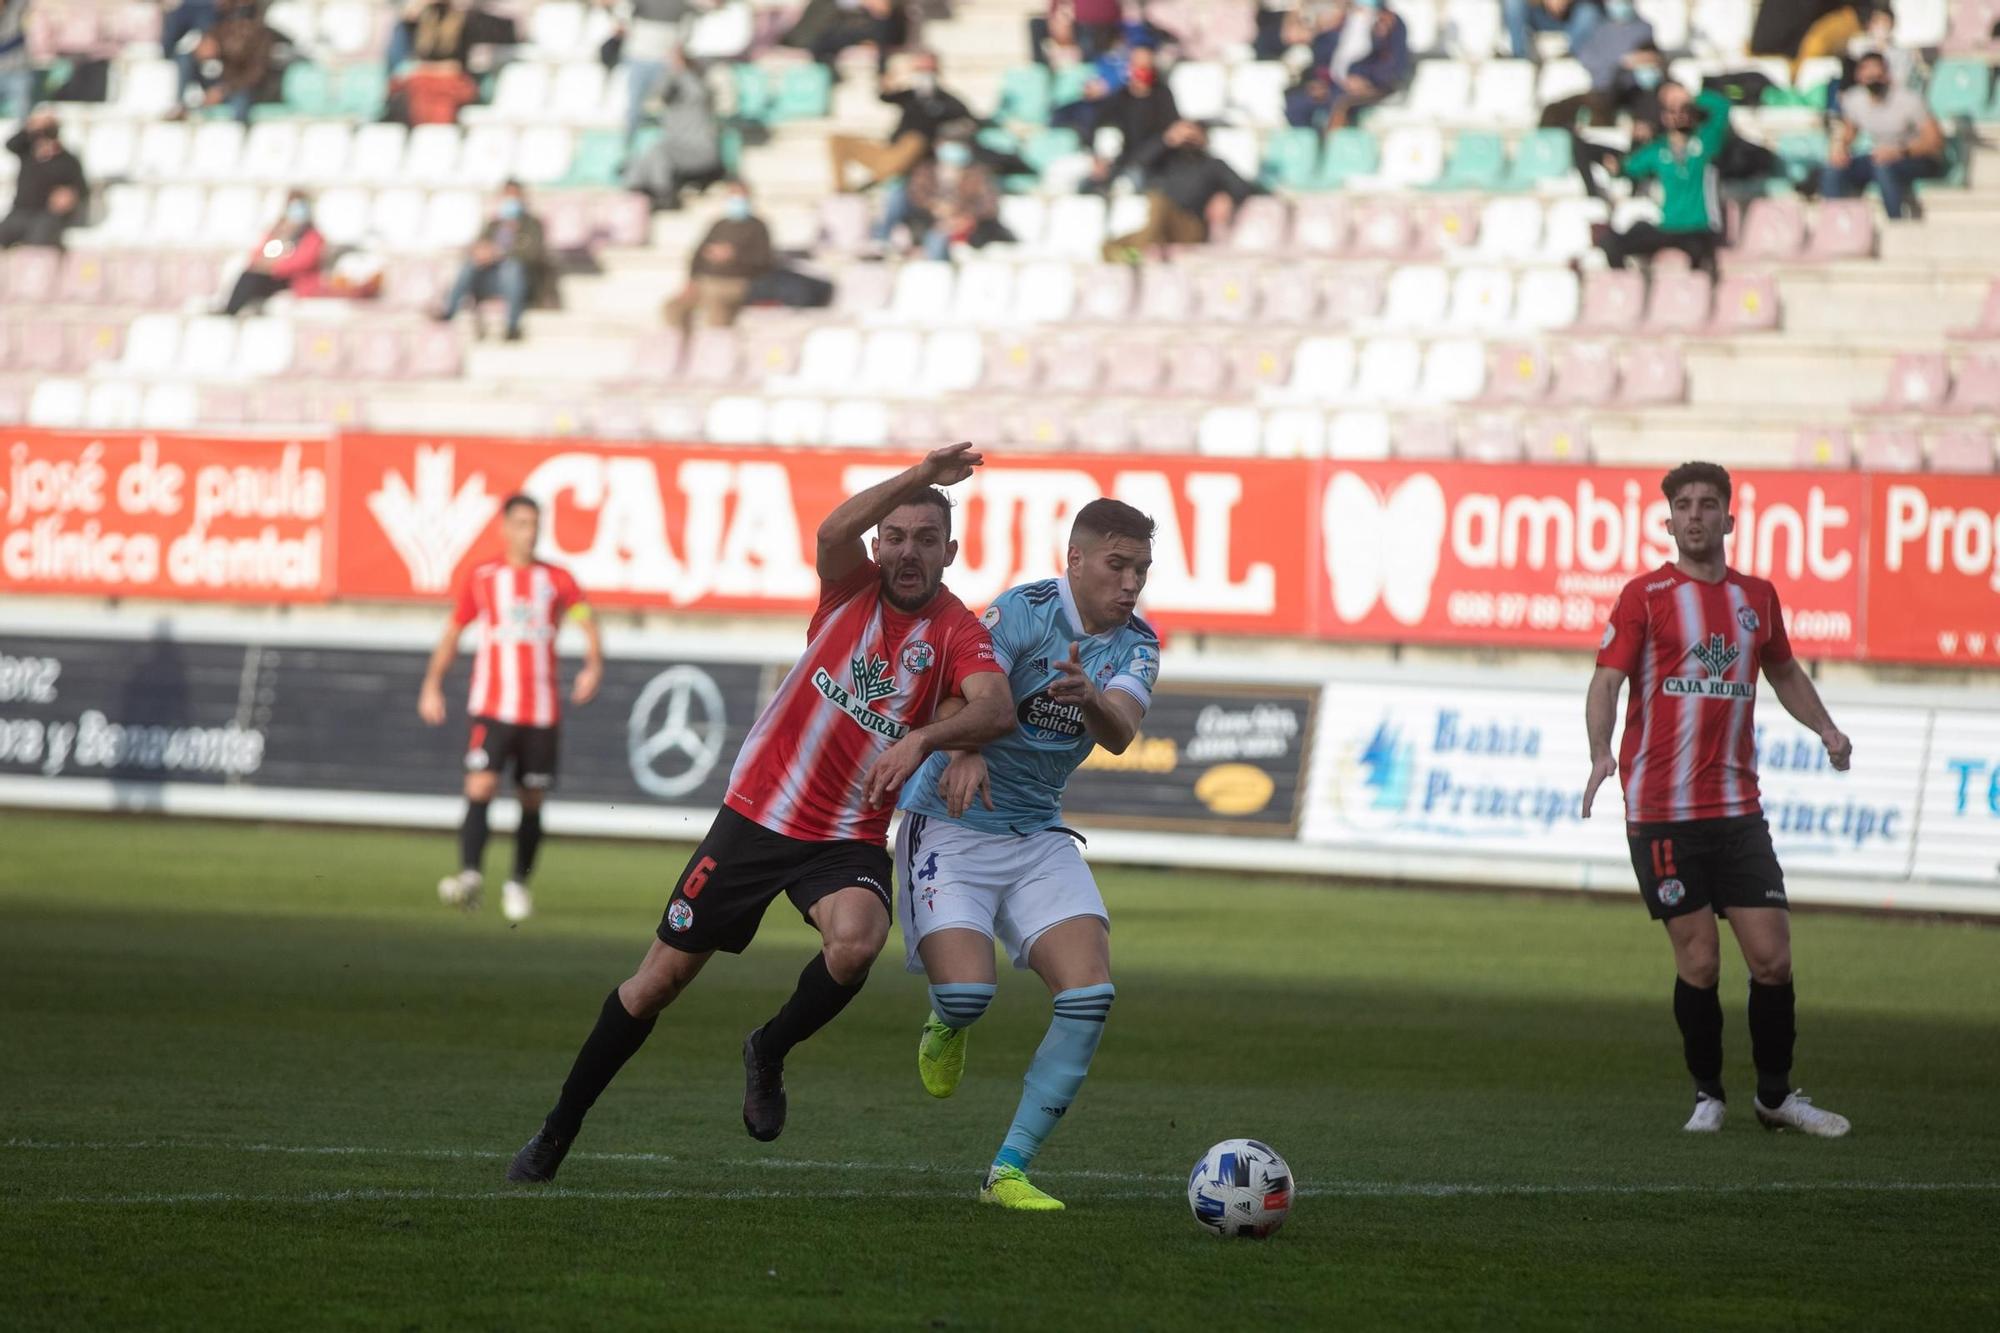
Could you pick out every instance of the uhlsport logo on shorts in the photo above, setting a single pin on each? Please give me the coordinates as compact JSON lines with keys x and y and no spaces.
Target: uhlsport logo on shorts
{"x":680,"y":916}
{"x":1670,"y":892}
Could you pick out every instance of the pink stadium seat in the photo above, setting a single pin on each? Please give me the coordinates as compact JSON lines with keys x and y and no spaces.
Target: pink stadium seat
{"x":1892,"y":451}
{"x":623,"y":218}
{"x":1679,"y":302}
{"x":1556,"y":439}
{"x":1976,"y":387}
{"x":1164,"y":430}
{"x":435,"y":353}
{"x":31,"y":275}
{"x":1010,"y":364}
{"x":566,"y":225}
{"x":1382,"y":229}
{"x":1321,"y":225}
{"x":278,"y":404}
{"x":656,"y":360}
{"x":1988,"y":326}
{"x":1165,"y":294}
{"x":43,"y":346}
{"x":771,"y":348}
{"x":1353,"y":294}
{"x":1195,"y":368}
{"x":617,"y":416}
{"x":224,"y":405}
{"x":1134,"y":368}
{"x":1823,"y":447}
{"x":1918,"y":382}
{"x":1288,"y":295}
{"x":415,"y":284}
{"x":1972,"y":25}
{"x":1258,"y":364}
{"x":916,"y":423}
{"x":190,"y":277}
{"x":844,"y":223}
{"x":1261,"y":225}
{"x":1613,"y":300}
{"x":1517,"y":372}
{"x":712,"y":356}
{"x":864,"y":289}
{"x":1489,"y":438}
{"x":83,"y":279}
{"x":1226,"y":294}
{"x":1843,"y":229}
{"x":1105,"y":292}
{"x":132,"y":279}
{"x":1586,"y":373}
{"x":1652,"y":373}
{"x":1039,"y":423}
{"x":1443,"y":227}
{"x":95,"y":341}
{"x":1103,"y":428}
{"x":1426,"y":437}
{"x":1773,"y":228}
{"x":1962,"y":451}
{"x":317,"y":353}
{"x":676,"y":419}
{"x":1746,"y":303}
{"x":376,"y":352}
{"x":1070,"y":364}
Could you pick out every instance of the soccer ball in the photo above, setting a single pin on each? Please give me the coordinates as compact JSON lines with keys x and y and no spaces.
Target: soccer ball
{"x":1240,"y":1187}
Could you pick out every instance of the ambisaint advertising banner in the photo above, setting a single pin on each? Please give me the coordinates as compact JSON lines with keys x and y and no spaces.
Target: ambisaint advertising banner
{"x":172,"y":516}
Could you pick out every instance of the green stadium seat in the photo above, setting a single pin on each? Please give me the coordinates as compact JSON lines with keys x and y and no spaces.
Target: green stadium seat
{"x":309,"y":90}
{"x":598,"y":155}
{"x":754,"y":97}
{"x":1478,"y":162}
{"x":1961,"y":88}
{"x":1068,"y":84}
{"x":1049,"y":145}
{"x":1291,"y":159}
{"x":805,"y":92}
{"x":1348,"y":153}
{"x":732,"y":150}
{"x":364,"y":89}
{"x":1025,"y":96}
{"x":1541,"y":156}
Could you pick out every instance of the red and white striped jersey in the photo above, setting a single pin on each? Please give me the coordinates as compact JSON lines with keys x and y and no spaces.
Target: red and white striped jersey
{"x":870,"y":673}
{"x":519,"y":611}
{"x":1692,"y":651}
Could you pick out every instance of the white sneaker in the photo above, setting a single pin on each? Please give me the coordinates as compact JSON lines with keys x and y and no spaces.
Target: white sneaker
{"x":1708,"y":1114}
{"x":1798,"y":1112}
{"x":516,"y":903}
{"x":461,"y":890}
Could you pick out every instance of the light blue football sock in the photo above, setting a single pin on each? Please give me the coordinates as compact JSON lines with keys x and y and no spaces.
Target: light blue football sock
{"x":960,"y":1003}
{"x":1057,"y":1071}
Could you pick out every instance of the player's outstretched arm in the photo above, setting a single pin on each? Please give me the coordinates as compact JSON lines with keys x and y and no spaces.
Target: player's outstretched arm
{"x":1796,"y":691}
{"x":840,"y":532}
{"x":430,"y":698}
{"x":1112,"y":717}
{"x":1600,"y":711}
{"x":592,"y":674}
{"x":987,"y":716}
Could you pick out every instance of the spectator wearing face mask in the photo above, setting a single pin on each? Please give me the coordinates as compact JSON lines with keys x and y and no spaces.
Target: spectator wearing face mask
{"x":287,"y":259}
{"x":925,"y":107}
{"x":1885,"y":135}
{"x":49,"y":192}
{"x":1524,"y":18}
{"x":1356,"y":64}
{"x":1631,"y":89}
{"x":948,"y":201}
{"x":734,"y":253}
{"x":1682,"y":155}
{"x":231,"y":61}
{"x":1141,"y":111}
{"x":1602,"y":53}
{"x":1188,"y":192}
{"x":508,"y":261}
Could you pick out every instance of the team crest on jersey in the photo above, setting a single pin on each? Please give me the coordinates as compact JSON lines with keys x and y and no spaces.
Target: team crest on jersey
{"x":680,"y":916}
{"x":918,"y":657}
{"x":1747,"y":618}
{"x":1670,"y":892}
{"x":1105,"y":673}
{"x":871,"y":677}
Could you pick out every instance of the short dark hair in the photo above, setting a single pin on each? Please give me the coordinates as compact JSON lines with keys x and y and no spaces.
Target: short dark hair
{"x":520,"y":500}
{"x":1690,"y":474}
{"x":929,"y":495}
{"x":1112,"y":518}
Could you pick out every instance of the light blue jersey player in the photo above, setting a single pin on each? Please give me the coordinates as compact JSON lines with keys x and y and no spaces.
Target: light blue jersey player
{"x":982,"y":854}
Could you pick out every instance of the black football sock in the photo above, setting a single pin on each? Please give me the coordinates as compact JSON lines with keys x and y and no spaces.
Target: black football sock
{"x":615,"y":1039}
{"x":1773,"y":1029}
{"x":527,"y":841}
{"x":1698,"y":1010}
{"x":472,"y":836}
{"x":811,"y":1007}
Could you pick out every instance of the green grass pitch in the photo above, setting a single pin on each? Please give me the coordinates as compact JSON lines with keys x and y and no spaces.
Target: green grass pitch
{"x":255,"y":1077}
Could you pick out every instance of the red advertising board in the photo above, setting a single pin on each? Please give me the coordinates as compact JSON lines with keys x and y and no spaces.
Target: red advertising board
{"x":700,"y":528}
{"x":1934,"y":570}
{"x":129,"y":514}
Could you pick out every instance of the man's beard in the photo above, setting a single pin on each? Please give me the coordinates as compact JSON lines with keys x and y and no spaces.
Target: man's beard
{"x":916,"y":603}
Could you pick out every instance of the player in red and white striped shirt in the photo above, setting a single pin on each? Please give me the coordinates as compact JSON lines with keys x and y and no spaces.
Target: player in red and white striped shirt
{"x":519,"y":604}
{"x":810,"y":797}
{"x":1692,"y":636}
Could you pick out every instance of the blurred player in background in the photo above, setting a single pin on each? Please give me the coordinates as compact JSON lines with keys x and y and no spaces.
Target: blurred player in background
{"x":982,"y":850}
{"x":519,"y":603}
{"x":1695,"y":632}
{"x":808,"y":804}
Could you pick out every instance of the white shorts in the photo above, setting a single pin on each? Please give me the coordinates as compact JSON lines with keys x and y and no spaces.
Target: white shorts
{"x":1006,"y":886}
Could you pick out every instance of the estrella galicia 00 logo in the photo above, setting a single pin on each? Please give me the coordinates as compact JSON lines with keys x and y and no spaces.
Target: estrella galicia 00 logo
{"x":680,"y":916}
{"x":1670,"y":892}
{"x":918,"y":657}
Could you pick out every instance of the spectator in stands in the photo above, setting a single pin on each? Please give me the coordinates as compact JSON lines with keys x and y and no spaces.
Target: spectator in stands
{"x":1140,"y":111}
{"x":689,"y":149}
{"x":508,"y":261}
{"x":1683,"y":156}
{"x":181,"y":18}
{"x":734,"y":253}
{"x":1361,"y":59}
{"x":949,"y":200}
{"x":1632,"y":88}
{"x":287,"y":259}
{"x":829,"y":27}
{"x":1878,"y":37}
{"x":651,"y":38}
{"x":1092,"y":27}
{"x":17,"y":71}
{"x":1602,"y":53}
{"x":1905,"y":142}
{"x":1189,"y":191}
{"x":440,"y":32}
{"x":1525,"y":18}
{"x":231,"y":61}
{"x":1832,"y":32}
{"x":49,"y":192}
{"x":926,"y":107}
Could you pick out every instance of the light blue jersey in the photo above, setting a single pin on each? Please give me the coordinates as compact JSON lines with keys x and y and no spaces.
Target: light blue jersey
{"x":1032,"y":627}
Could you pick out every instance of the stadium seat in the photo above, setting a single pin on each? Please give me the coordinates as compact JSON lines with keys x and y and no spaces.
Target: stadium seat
{"x":805,"y":92}
{"x":1918,"y":382}
{"x":1823,"y":447}
{"x":1352,"y":296}
{"x":1294,"y":432}
{"x":1586,"y":374}
{"x":1962,"y":451}
{"x":324,"y":151}
{"x":952,"y":362}
{"x":858,"y":423}
{"x":235,"y":215}
{"x":57,"y":403}
{"x":114,"y":405}
{"x":1044,"y":292}
{"x":1226,"y":294}
{"x":83,"y":279}
{"x":170,"y":406}
{"x":1257,"y":92}
{"x":1566,"y":228}
{"x":1358,"y":437}
{"x":1773,"y":228}
{"x":1503,"y":93}
{"x":1746,"y":303}
{"x":1076,"y":226}
{"x":1107,"y":292}
{"x":737,"y":420}
{"x":132,"y":279}
{"x":1135,"y":368}
{"x":451,"y":219}
{"x":1322,"y":370}
{"x":1291,"y":159}
{"x":542,"y":155}
{"x":1024,"y":96}
{"x":845,"y":222}
{"x":111,"y":149}
{"x":1614,"y":301}
{"x":1475,"y":29}
{"x":1412,"y":155}
{"x":1010,"y":364}
{"x":361,"y":92}
{"x":1543,"y":160}
{"x":1229,"y":432}
{"x":1195,"y":368}
{"x":1517,"y":372}
{"x":713,"y":356}
{"x":1680,"y":301}
{"x":1440,"y":91}
{"x":152,"y":345}
{"x":556,"y":29}
{"x":1510,"y":229}
{"x":1489,"y":438}
{"x":1478,"y":163}
{"x":1381,"y":229}
{"x":1720,"y":27}
{"x":1200,"y":89}
{"x":1556,"y":439}
{"x":1842,"y":229}
{"x":1417,"y":297}
{"x":1320,"y":225}
{"x":376,"y":157}
{"x":32,"y":275}
{"x":576,"y":94}
{"x":483,"y":157}
{"x":725,"y":32}
{"x":1960,"y":88}
{"x":1975,"y":388}
{"x":1670,"y":23}
{"x":1285,"y":297}
{"x":1348,"y":153}
{"x":1444,"y":228}
{"x":1420,"y":19}
{"x":984,"y":292}
{"x":1651,"y":373}
{"x":270,"y":153}
{"x":1258,"y":363}
{"x":1559,"y":79}
{"x":923,"y":292}
{"x":1454,"y":371}
{"x":162,"y":152}
{"x":1481,"y":298}
{"x":830,"y":359}
{"x":1546,"y":298}
{"x":147,"y":89}
{"x":214,"y":150}
{"x":1388,"y":370}
{"x":1988,"y":324}
{"x":1166,"y":296}
{"x":396,"y":218}
{"x":1238,"y":148}
{"x":1260,"y":225}
{"x":177,"y":214}
{"x":795,"y":421}
{"x":1894,"y":450}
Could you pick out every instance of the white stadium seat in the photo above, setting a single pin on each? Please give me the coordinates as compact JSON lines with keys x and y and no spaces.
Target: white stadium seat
{"x":147,"y":89}
{"x":796,"y":421}
{"x":270,"y":152}
{"x":452,"y":218}
{"x":177,"y":214}
{"x":1238,"y":148}
{"x":736,"y":420}
{"x":396,"y":218}
{"x":1417,"y":297}
{"x":521,"y":92}
{"x":264,"y":348}
{"x":1503,"y":93}
{"x":1454,"y":371}
{"x":555,"y":27}
{"x":923,"y":292}
{"x":1044,"y":293}
{"x":1076,"y":226}
{"x":1200,"y":89}
{"x":430,"y":156}
{"x":890,"y":362}
{"x":1412,"y":155}
{"x":1358,"y":437}
{"x":113,"y":405}
{"x":1482,"y":298}
{"x":725,"y":32}
{"x":377,"y":155}
{"x":985,"y":291}
{"x":1921,"y":23}
{"x":542,"y":155}
{"x":325,"y":149}
{"x":1388,"y":370}
{"x":1024,"y":215}
{"x":236,"y":215}
{"x":162,"y":152}
{"x":829,"y":359}
{"x":1322,"y":370}
{"x":342,"y":215}
{"x":1566,"y":227}
{"x":57,"y":403}
{"x":152,"y":345}
{"x":1547,"y":298}
{"x":1510,"y":229}
{"x":1294,"y":432}
{"x":1670,"y":22}
{"x":1721,"y":27}
{"x":1423,"y":24}
{"x":1229,"y":432}
{"x":858,"y":422}
{"x":1257,"y":92}
{"x":1474,"y":28}
{"x":128,"y":211}
{"x":485,"y":158}
{"x":215,"y":150}
{"x":347,"y":27}
{"x":208,"y":347}
{"x":1440,"y":92}
{"x":170,"y":406}
{"x":576,"y":96}
{"x":110,"y":148}
{"x":1560,"y":79}
{"x":952,"y":361}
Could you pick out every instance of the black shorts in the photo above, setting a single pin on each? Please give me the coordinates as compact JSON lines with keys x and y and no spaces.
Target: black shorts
{"x":530,"y":750}
{"x":741,"y":866}
{"x":1690,"y":864}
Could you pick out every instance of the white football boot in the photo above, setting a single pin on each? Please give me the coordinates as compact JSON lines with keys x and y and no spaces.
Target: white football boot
{"x":1798,"y":1112}
{"x":516,"y":903}
{"x":462,"y":890}
{"x":1708,"y":1114}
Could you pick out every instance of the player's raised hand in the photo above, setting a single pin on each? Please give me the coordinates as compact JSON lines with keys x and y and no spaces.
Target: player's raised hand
{"x":1839,"y":749}
{"x":587,"y":681}
{"x":891,"y":769}
{"x":952,"y":464}
{"x":430,"y":705}
{"x":1074,"y":687}
{"x":964,"y":778}
{"x":1599,"y":771}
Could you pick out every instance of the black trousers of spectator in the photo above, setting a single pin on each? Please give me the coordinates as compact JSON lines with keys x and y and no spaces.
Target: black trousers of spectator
{"x":253,"y":288}
{"x":31,"y":227}
{"x":1645,"y":238}
{"x":852,"y":29}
